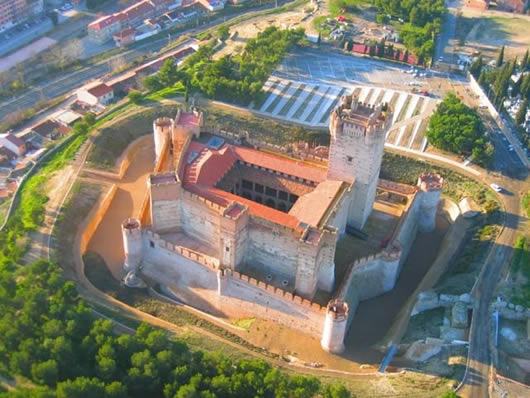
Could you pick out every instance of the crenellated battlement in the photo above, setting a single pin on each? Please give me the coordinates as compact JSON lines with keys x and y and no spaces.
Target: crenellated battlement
{"x":131,"y":226}
{"x":430,"y":182}
{"x":358,"y":118}
{"x":271,"y":289}
{"x":207,"y":202}
{"x":210,"y":262}
{"x":338,"y":310}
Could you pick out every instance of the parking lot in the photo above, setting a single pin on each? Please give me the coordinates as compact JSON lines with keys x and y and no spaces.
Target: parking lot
{"x":308,"y":84}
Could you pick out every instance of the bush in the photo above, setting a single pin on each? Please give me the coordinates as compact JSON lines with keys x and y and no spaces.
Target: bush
{"x":136,"y":97}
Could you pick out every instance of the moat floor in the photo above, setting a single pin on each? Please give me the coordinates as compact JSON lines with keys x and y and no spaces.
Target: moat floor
{"x":374,"y":317}
{"x":107,"y":240}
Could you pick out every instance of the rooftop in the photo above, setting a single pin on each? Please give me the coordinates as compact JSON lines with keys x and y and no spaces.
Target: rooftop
{"x":105,"y":21}
{"x":313,"y":207}
{"x":12,"y":139}
{"x":45,"y":128}
{"x":100,"y":90}
{"x":189,"y":119}
{"x":205,"y":167}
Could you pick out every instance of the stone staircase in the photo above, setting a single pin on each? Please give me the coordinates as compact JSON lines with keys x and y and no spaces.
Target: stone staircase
{"x":192,"y":173}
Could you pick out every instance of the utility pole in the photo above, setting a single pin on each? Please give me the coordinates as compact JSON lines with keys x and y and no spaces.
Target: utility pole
{"x":168,"y":39}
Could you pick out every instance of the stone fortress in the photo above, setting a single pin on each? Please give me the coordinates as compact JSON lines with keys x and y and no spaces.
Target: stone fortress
{"x":239,"y":231}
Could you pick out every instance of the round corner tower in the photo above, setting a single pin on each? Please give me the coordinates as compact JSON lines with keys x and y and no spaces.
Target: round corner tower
{"x":335,"y":326}
{"x":357,"y":139}
{"x":131,"y":231}
{"x":430,"y":186}
{"x":162,"y":130}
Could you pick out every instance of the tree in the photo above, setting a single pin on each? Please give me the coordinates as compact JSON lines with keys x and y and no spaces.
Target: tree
{"x":482,"y":79}
{"x":371,"y":49}
{"x":336,"y":391}
{"x":89,"y":118}
{"x":524,"y":61}
{"x":520,"y":116}
{"x":135,"y":97}
{"x":381,"y":48}
{"x":81,"y":387}
{"x":516,"y":87}
{"x":406,"y":56}
{"x":115,"y":390}
{"x":500,"y":58}
{"x":525,"y":86}
{"x":80,"y":128}
{"x":223,"y":32}
{"x":45,"y":372}
{"x":151,"y":83}
{"x":168,"y":74}
{"x":476,"y":67}
{"x":468,"y":139}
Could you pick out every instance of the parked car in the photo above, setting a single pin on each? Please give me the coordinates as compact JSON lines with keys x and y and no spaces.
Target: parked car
{"x":496,"y":188}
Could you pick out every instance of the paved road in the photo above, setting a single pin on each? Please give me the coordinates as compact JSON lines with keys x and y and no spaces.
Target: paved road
{"x":476,"y":383}
{"x":446,"y":39}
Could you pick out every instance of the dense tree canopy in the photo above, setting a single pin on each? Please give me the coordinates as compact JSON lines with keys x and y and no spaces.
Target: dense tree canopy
{"x":423,"y":19}
{"x":456,"y":128}
{"x":237,"y":78}
{"x":49,"y":335}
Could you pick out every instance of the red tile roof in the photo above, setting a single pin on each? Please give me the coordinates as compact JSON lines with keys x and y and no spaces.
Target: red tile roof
{"x":223,"y":198}
{"x":207,"y":169}
{"x":106,"y":21}
{"x":14,"y":140}
{"x":137,"y":10}
{"x":127,"y":32}
{"x":295,"y":168}
{"x":188,"y":119}
{"x":100,"y":90}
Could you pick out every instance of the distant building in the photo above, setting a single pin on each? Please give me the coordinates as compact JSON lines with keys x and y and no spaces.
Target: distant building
{"x":13,"y":144}
{"x":212,"y":5}
{"x":50,"y":130}
{"x":98,"y":93}
{"x":68,"y":118}
{"x":124,"y":37}
{"x":12,"y":12}
{"x":104,"y":29}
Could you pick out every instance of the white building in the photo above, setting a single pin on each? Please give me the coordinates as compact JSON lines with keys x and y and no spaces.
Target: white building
{"x":96,"y":93}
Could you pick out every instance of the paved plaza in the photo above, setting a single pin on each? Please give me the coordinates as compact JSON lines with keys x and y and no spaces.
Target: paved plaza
{"x":309,"y":84}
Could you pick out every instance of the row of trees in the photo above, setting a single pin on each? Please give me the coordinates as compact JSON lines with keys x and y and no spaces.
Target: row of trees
{"x":422,"y":20}
{"x":456,"y":128}
{"x":498,"y":84}
{"x":232,"y":78}
{"x":50,"y":336}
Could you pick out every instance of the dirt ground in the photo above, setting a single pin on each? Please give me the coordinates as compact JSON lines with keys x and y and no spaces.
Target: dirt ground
{"x":487,"y":31}
{"x":129,"y":197}
{"x":250,"y":29}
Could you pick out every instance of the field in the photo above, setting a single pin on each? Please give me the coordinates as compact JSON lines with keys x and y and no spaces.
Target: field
{"x":487,"y":31}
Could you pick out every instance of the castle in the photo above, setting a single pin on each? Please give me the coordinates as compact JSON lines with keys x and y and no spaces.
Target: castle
{"x":239,"y":231}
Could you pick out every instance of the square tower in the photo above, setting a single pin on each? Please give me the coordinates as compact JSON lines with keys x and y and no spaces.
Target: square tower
{"x":358,"y":134}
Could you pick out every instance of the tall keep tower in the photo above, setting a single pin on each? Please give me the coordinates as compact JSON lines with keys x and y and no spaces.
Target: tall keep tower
{"x":356,"y":150}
